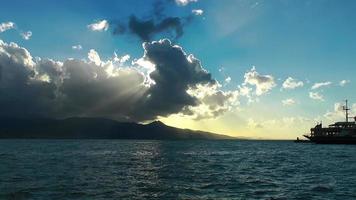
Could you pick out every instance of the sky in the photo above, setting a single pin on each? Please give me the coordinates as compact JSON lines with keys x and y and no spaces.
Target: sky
{"x":247,"y":68}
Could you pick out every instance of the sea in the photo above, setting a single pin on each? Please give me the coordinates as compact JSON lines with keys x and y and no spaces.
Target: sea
{"x":137,"y":169}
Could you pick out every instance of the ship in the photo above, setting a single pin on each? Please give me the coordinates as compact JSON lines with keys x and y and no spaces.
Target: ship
{"x":343,"y":132}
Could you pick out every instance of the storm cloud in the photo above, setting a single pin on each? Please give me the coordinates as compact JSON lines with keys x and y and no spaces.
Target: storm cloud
{"x":174,"y":73}
{"x":155,"y":23}
{"x":145,"y":29}
{"x":166,"y":81}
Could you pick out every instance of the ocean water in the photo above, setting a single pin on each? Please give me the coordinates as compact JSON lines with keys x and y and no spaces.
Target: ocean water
{"x":124,"y":169}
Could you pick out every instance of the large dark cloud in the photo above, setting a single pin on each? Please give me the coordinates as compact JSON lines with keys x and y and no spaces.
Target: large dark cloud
{"x":155,"y":23}
{"x":174,"y":73}
{"x":21,"y":93}
{"x":94,"y":88}
{"x":146,"y":29}
{"x":89,"y":90}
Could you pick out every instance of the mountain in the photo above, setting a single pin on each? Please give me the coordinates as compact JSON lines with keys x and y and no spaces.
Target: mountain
{"x":96,"y":128}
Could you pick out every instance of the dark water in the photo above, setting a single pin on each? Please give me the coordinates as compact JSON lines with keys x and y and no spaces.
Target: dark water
{"x":116,"y":169}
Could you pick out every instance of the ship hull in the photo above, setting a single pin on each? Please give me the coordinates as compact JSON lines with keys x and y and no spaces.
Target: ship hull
{"x":332,"y":140}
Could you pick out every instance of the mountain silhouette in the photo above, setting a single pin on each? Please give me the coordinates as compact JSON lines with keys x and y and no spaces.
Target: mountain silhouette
{"x":96,"y":128}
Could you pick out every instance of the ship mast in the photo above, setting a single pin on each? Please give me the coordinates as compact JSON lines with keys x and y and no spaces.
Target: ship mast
{"x":346,"y":109}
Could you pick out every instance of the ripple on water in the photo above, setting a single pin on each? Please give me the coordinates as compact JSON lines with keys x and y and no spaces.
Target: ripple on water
{"x":322,"y":188}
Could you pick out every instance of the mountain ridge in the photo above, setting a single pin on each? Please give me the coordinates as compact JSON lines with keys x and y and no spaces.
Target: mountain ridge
{"x":96,"y":128}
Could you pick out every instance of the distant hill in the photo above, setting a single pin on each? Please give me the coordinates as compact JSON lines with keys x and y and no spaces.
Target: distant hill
{"x":96,"y":128}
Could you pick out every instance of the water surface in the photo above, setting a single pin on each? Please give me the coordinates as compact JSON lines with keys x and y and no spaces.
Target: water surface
{"x":124,"y":169}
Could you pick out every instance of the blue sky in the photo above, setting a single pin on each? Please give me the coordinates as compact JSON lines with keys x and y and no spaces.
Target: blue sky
{"x":310,"y":41}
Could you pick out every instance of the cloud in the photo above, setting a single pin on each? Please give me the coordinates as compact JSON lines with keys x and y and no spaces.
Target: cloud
{"x":291,"y":83}
{"x":338,"y":112}
{"x":6,"y":26}
{"x":47,"y":88}
{"x":228,"y":79}
{"x":102,"y":25}
{"x":245,"y":91}
{"x":109,"y":88}
{"x":263,"y":83}
{"x":288,"y":102}
{"x":77,"y":47}
{"x":94,"y":57}
{"x":122,"y":59}
{"x":22,"y":90}
{"x":153,"y":24}
{"x":147,"y":29}
{"x":26,"y":35}
{"x":197,"y":12}
{"x":316,"y":96}
{"x":344,"y":82}
{"x":100,"y":90}
{"x":184,"y":2}
{"x":212,"y":101}
{"x":11,"y":25}
{"x":321,"y":84}
{"x":353,"y":111}
{"x":174,"y":71}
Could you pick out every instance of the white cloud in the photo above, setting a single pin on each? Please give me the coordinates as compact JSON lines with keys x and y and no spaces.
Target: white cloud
{"x":102,"y":25}
{"x":6,"y":26}
{"x":212,"y":101}
{"x":144,"y":63}
{"x":228,"y":79}
{"x":26,"y":35}
{"x":122,"y":59}
{"x":184,"y":2}
{"x":16,"y":54}
{"x":288,"y":102}
{"x":316,"y":96}
{"x":94,"y":57}
{"x":147,"y":67}
{"x":291,"y":83}
{"x":338,"y":113}
{"x":263,"y":83}
{"x":246,"y":91}
{"x":344,"y":82}
{"x":197,"y":11}
{"x":321,"y":84}
{"x":125,"y":58}
{"x":77,"y":47}
{"x":11,"y":25}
